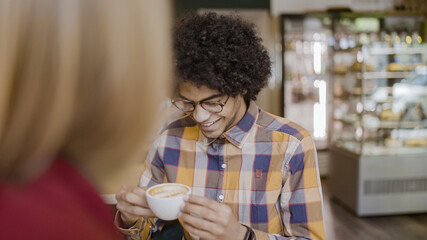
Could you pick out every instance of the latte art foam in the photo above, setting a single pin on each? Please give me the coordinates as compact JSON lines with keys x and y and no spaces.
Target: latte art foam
{"x":168,"y":191}
{"x":169,"y":194}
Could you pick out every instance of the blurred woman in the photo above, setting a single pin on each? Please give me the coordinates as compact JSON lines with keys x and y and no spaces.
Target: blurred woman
{"x":79,"y":84}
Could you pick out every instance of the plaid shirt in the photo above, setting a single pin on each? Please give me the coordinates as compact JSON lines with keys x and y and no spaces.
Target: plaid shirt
{"x":264,"y":168}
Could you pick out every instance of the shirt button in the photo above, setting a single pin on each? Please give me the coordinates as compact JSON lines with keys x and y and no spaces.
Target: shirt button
{"x":224,"y":165}
{"x":221,"y":197}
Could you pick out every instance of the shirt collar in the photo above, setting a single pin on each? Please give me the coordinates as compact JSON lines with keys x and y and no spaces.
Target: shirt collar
{"x":238,"y":134}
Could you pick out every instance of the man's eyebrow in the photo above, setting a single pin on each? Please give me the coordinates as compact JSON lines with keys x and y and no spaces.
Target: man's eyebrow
{"x":205,"y":99}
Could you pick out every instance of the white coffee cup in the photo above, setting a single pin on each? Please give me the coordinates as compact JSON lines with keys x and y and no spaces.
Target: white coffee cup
{"x":165,"y":199}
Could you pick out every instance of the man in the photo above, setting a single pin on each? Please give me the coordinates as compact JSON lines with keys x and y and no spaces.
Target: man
{"x":253,"y":174}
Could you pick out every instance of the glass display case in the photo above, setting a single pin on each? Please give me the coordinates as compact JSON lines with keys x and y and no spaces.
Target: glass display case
{"x":380,"y":107}
{"x":379,"y":126}
{"x":307,"y":77}
{"x":358,"y":83}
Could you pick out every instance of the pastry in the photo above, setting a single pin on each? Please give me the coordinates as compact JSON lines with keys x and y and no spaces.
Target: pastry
{"x":389,"y":115}
{"x":416,"y":142}
{"x":396,"y":67}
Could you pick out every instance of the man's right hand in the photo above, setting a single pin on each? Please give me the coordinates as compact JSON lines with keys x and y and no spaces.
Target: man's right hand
{"x":132,"y":204}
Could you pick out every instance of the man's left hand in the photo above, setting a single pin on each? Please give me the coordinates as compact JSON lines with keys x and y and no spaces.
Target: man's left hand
{"x":208,"y":219}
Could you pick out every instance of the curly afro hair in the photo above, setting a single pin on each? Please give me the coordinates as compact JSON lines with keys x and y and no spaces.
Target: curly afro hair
{"x":222,"y":53}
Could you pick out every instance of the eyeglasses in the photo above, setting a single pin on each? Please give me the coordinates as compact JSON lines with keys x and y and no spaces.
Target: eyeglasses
{"x":189,"y":106}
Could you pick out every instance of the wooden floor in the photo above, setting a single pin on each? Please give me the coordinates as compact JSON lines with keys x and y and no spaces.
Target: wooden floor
{"x":342,"y":224}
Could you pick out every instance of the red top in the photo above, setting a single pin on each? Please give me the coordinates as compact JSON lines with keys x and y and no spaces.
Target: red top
{"x":60,"y":204}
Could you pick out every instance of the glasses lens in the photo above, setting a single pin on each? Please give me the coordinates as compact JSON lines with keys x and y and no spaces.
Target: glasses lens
{"x":212,"y":107}
{"x":184,"y":105}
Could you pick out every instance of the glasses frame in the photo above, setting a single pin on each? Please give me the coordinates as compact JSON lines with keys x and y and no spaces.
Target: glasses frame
{"x":221,"y":104}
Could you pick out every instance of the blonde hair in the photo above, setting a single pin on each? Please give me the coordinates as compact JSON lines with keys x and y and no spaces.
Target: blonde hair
{"x":80,"y":78}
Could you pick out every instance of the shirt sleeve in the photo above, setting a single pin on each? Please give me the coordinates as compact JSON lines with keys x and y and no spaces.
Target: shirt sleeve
{"x":301,"y":201}
{"x":139,"y":231}
{"x":152,"y":173}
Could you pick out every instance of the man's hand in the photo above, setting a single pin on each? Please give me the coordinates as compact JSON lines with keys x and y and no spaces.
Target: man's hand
{"x":132,"y":204}
{"x":208,"y":219}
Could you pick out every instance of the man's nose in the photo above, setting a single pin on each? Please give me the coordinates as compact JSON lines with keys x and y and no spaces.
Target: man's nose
{"x":200,"y":114}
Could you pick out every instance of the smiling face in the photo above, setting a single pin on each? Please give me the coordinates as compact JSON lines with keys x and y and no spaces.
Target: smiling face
{"x":212,"y":125}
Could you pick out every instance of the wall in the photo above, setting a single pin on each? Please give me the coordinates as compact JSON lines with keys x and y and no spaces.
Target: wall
{"x":302,"y":6}
{"x":183,"y":6}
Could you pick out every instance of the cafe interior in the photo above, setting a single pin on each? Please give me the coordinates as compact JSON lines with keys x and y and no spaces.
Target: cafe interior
{"x":353,"y":73}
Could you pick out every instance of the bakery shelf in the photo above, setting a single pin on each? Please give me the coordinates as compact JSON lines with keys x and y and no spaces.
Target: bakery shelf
{"x":400,"y":124}
{"x":403,"y":50}
{"x":388,"y":75}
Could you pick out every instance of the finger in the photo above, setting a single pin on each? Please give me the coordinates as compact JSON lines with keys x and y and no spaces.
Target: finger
{"x":139,"y":190}
{"x":132,"y":198}
{"x":198,"y":223}
{"x":134,"y":189}
{"x":222,"y":211}
{"x":199,"y":210}
{"x":133,"y":210}
{"x":131,"y":201}
{"x":203,"y":201}
{"x":198,"y":232}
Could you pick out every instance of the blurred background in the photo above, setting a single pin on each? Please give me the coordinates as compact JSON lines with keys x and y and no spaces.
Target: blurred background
{"x":354,"y":73}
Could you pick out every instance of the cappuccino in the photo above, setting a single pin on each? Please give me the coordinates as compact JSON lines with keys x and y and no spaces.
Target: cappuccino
{"x":168,"y":191}
{"x":165,"y":199}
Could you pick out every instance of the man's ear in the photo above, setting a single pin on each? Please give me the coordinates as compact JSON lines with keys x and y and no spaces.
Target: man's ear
{"x":244,"y":92}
